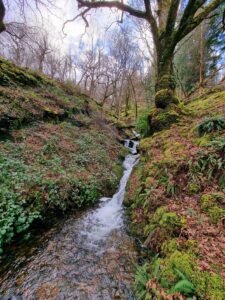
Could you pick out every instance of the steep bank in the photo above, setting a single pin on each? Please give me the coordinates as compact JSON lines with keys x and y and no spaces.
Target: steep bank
{"x":57,"y":151}
{"x":177,"y":204}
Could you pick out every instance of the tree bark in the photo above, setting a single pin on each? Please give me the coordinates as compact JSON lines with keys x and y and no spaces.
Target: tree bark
{"x":2,"y":15}
{"x":165,"y":81}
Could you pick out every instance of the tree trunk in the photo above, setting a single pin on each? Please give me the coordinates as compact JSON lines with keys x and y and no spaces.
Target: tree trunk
{"x":2,"y":15}
{"x":201,"y":60}
{"x":165,"y":83}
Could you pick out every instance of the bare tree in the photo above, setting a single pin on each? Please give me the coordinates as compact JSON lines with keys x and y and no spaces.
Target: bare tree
{"x":167,"y":29}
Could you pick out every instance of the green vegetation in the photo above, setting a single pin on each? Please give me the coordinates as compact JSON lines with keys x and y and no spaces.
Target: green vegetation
{"x":49,"y":161}
{"x":211,"y":124}
{"x":175,"y":199}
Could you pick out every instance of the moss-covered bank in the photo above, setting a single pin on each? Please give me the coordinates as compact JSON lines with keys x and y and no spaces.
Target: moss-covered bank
{"x":57,"y":151}
{"x":176,"y":202}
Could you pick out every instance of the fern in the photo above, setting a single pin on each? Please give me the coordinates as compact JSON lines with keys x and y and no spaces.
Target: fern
{"x":183,"y":286}
{"x":210,"y":125}
{"x":141,"y":278}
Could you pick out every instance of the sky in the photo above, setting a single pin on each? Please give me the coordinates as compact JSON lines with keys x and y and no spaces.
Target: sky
{"x":54,"y":18}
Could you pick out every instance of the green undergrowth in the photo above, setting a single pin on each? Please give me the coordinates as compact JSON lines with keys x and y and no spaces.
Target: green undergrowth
{"x":57,"y":151}
{"x":175,"y":199}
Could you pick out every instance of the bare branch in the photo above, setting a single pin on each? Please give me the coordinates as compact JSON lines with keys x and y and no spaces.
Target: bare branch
{"x":82,"y":15}
{"x":113,"y":4}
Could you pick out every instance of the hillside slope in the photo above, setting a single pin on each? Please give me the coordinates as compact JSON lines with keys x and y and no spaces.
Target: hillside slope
{"x":57,"y":151}
{"x":177,"y":204}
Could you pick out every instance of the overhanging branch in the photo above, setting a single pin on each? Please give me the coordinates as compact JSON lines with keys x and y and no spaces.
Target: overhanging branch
{"x":113,"y":4}
{"x":193,"y":21}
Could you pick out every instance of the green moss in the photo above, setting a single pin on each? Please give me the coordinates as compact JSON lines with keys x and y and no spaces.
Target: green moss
{"x":161,"y":119}
{"x":163,"y":226}
{"x":209,"y":200}
{"x":202,"y":141}
{"x":174,"y":150}
{"x":165,"y":97}
{"x":208,"y":285}
{"x":167,"y":81}
{"x":210,"y":204}
{"x":215,"y":214}
{"x":182,"y":261}
{"x":193,"y":188}
{"x":117,"y":173}
{"x":203,"y":105}
{"x":170,"y":219}
{"x":170,"y":246}
{"x":191,"y":246}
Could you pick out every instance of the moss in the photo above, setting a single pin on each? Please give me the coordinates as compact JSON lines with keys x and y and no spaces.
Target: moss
{"x":174,"y":150}
{"x":167,"y":81}
{"x":215,"y":214}
{"x":210,"y":204}
{"x":164,"y":98}
{"x":170,"y":219}
{"x":204,"y":105}
{"x":193,"y":188}
{"x":202,"y":141}
{"x":159,"y":214}
{"x":170,"y":246}
{"x":210,"y":199}
{"x":163,"y":226}
{"x":182,"y":261}
{"x":208,"y":285}
{"x":160,"y":119}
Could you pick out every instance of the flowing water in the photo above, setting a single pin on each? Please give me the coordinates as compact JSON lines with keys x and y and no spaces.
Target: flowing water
{"x":90,"y":257}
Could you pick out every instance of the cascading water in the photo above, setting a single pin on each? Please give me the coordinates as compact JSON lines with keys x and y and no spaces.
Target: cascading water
{"x":91,"y":257}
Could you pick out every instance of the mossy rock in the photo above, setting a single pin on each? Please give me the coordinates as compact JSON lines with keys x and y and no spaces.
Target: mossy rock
{"x":160,"y":119}
{"x":164,"y":98}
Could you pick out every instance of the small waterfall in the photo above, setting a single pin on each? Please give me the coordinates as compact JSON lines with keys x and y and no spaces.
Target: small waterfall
{"x":132,"y":145}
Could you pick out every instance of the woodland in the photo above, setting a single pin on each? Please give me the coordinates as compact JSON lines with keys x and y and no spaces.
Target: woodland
{"x":112,"y":143}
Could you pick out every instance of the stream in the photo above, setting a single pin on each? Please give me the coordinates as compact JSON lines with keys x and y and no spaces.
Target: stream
{"x":91,"y":256}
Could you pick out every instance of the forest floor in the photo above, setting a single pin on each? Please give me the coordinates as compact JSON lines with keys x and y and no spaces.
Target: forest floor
{"x":177,"y":204}
{"x":58,"y":152}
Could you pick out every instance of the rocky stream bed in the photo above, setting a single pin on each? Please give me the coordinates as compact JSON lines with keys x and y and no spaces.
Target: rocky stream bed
{"x":91,"y":256}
